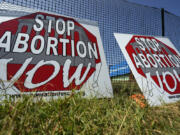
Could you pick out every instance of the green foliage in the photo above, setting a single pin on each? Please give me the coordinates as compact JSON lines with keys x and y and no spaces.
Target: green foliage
{"x":75,"y":115}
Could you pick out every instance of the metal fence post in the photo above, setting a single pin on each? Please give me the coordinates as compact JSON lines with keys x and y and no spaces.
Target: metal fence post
{"x":162,"y":21}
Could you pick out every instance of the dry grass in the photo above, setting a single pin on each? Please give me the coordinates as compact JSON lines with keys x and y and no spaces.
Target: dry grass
{"x":120,"y":115}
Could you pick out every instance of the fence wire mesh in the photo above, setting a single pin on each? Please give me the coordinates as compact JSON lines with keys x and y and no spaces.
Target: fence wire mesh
{"x":112,"y":16}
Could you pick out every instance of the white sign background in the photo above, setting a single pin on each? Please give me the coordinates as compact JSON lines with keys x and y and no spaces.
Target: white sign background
{"x":97,"y":85}
{"x":154,"y":94}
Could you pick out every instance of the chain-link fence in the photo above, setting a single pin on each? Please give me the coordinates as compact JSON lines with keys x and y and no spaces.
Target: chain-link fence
{"x":112,"y":16}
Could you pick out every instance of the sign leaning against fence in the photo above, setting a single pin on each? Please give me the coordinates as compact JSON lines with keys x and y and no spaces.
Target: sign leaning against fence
{"x":51,"y":55}
{"x":155,"y":64}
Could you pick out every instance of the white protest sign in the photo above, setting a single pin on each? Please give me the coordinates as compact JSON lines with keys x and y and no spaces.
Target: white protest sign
{"x":155,"y":64}
{"x":51,"y":55}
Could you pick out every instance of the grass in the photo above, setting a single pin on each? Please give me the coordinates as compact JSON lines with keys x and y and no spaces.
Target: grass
{"x":74,"y":115}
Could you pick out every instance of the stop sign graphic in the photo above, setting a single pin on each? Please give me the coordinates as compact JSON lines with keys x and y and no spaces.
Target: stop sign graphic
{"x":46,"y":52}
{"x":155,"y":63}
